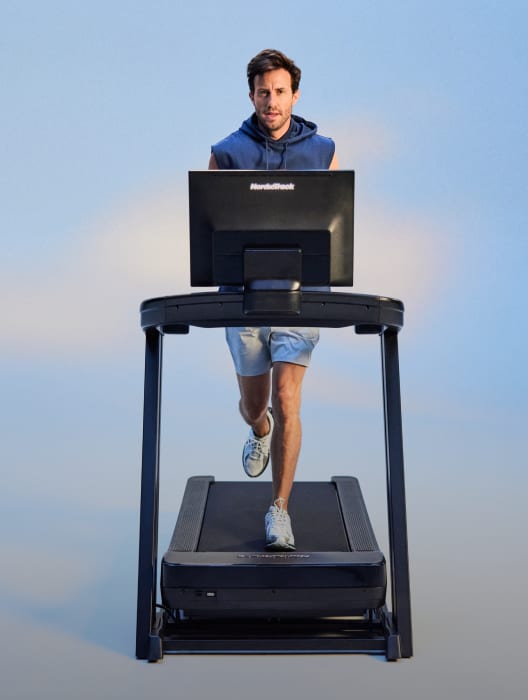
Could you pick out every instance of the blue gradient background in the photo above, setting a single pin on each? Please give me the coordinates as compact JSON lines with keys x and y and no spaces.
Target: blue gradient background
{"x":105,"y":107}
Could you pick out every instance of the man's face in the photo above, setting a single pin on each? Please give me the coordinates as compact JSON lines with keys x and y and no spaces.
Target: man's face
{"x":273,"y":100}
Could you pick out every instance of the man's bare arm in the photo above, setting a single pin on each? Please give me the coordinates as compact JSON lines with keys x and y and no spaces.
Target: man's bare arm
{"x":334,"y":165}
{"x":213,"y":165}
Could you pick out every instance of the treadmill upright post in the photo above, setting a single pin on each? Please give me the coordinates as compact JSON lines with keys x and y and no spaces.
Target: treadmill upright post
{"x":397,"y":520}
{"x":148,"y":526}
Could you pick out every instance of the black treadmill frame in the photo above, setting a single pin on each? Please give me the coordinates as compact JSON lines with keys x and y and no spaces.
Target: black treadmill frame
{"x":382,"y":631}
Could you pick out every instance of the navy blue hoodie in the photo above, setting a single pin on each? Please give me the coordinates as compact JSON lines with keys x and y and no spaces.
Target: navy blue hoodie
{"x":301,"y":148}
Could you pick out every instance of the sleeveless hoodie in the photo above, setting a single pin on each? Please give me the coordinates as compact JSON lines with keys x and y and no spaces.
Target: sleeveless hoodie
{"x":301,"y":148}
{"x":249,"y":148}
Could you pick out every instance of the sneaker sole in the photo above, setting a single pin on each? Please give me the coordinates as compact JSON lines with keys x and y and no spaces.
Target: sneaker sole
{"x":254,"y":476}
{"x":280,"y":547}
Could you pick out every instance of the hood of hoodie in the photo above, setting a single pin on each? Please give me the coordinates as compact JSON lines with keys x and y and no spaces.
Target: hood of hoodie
{"x":250,"y":148}
{"x":277,"y":149}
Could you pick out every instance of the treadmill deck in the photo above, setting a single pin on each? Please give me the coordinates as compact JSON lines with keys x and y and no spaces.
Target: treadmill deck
{"x":216,"y":565}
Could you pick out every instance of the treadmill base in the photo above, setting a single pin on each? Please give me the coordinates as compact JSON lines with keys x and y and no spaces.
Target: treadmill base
{"x":372,"y":634}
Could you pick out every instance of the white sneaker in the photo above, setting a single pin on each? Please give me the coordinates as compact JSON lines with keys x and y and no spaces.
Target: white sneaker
{"x":279,"y":534}
{"x":256,"y":452}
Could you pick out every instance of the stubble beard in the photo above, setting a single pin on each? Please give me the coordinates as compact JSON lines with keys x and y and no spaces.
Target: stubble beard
{"x":277,"y":127}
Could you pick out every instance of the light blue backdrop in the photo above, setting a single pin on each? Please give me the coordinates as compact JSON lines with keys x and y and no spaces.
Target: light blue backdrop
{"x":105,"y":107}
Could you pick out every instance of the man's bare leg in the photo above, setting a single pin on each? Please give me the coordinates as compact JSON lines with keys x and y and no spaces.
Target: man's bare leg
{"x":286,"y":384}
{"x":254,"y":401}
{"x":286,"y":438}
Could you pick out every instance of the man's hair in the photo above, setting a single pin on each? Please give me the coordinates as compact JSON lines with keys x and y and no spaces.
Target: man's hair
{"x":271,"y":59}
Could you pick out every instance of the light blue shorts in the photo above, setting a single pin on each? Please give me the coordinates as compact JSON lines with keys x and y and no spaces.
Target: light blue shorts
{"x":254,"y":350}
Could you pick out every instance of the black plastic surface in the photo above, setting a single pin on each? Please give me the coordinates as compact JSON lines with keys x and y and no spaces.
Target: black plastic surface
{"x":232,"y":210}
{"x":325,"y":309}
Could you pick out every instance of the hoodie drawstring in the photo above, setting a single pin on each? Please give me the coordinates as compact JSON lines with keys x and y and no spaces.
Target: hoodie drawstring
{"x":284,"y":161}
{"x":284,"y":157}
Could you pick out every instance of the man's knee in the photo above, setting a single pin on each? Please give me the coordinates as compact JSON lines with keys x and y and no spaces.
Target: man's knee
{"x":286,"y":394}
{"x":254,"y":397}
{"x":253,"y":411}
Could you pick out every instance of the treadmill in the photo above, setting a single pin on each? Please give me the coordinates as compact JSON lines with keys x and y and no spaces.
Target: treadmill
{"x":220,"y":591}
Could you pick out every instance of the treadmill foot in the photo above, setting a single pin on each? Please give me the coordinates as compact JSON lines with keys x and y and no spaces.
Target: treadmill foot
{"x":155,"y":649}
{"x":393,"y":647}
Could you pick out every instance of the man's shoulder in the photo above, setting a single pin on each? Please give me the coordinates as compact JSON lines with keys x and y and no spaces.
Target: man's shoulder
{"x":233,"y":138}
{"x":325,"y":140}
{"x":238,"y":150}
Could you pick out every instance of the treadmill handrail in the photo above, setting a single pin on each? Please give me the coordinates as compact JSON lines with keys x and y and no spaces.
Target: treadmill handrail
{"x":368,"y":313}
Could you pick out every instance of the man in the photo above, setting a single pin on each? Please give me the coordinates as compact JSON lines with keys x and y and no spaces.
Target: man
{"x":273,"y":359}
